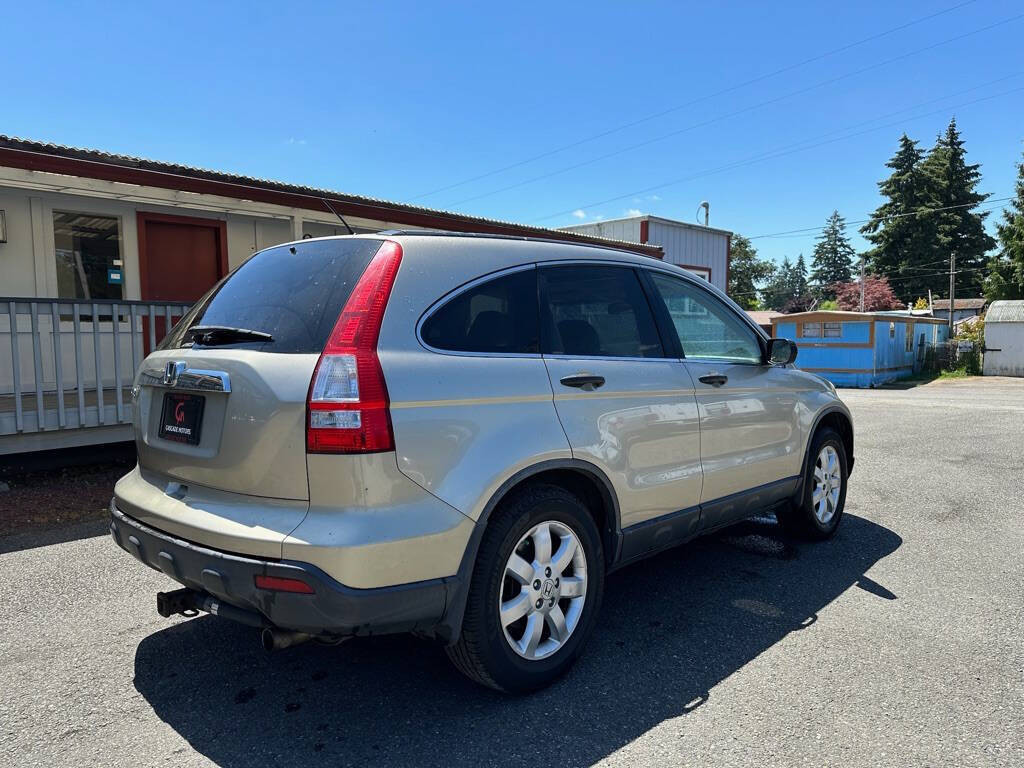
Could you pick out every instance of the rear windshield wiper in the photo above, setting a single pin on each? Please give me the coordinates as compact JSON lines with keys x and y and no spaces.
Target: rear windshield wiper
{"x":212,"y":335}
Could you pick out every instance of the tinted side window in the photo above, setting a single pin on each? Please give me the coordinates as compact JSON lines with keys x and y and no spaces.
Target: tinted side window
{"x":498,"y":316}
{"x":707,"y":329}
{"x":597,"y":311}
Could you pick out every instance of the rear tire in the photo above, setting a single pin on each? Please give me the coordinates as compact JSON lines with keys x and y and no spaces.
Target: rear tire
{"x":820,"y":508}
{"x":551,"y":621}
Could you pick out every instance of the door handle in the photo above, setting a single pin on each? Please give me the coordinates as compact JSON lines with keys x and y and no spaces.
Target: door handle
{"x":714,"y":379}
{"x":588,"y":382}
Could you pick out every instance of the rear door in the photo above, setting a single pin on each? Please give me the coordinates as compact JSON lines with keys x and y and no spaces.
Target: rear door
{"x":624,"y":404}
{"x":750,"y":431}
{"x":180,"y":259}
{"x":226,"y":411}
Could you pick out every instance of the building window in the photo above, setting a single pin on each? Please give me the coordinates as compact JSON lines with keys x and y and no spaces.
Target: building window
{"x":909,"y":337}
{"x":703,"y":274}
{"x":892,"y":330}
{"x":88,"y":250}
{"x":832,"y":330}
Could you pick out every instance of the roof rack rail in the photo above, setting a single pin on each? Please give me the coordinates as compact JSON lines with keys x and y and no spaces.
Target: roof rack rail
{"x":526,"y":238}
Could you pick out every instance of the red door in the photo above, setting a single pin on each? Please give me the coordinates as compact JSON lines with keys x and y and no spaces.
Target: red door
{"x":180,"y":259}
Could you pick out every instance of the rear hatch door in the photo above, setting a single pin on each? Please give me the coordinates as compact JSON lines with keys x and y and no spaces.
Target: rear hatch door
{"x":222,"y":402}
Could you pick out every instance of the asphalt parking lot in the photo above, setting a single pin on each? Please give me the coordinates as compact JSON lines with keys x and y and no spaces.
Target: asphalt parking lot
{"x":898,"y":643}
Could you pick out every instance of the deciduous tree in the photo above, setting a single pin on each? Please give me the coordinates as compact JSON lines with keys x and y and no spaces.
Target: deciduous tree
{"x":878,"y":295}
{"x":746,"y":272}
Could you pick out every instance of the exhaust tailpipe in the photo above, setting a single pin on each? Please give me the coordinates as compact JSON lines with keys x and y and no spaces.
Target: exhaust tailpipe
{"x":274,"y":639}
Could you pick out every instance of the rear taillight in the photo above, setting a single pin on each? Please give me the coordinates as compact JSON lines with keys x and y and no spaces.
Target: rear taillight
{"x":348,"y":400}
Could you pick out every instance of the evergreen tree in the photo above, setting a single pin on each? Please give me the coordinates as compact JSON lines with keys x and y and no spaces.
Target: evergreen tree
{"x":904,"y":240}
{"x":1006,"y":270}
{"x":746,"y":272}
{"x":777,"y":291}
{"x":798,"y":278}
{"x":833,"y":257}
{"x":961,"y":231}
{"x":788,"y":281}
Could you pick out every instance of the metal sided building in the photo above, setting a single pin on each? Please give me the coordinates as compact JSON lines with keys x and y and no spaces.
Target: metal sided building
{"x":1004,"y":339}
{"x":855,"y":349}
{"x":702,"y":250}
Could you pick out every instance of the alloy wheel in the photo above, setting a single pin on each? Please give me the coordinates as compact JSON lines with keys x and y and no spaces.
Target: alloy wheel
{"x":543,"y":590}
{"x":828,"y":482}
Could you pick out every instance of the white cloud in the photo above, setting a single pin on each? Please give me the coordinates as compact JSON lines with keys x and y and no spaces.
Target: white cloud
{"x":634,"y":212}
{"x":579,"y":213}
{"x":597,"y":216}
{"x":293,"y":140}
{"x":654,"y":197}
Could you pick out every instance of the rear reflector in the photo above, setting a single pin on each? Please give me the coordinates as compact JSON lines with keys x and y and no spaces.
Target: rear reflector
{"x":348,"y":400}
{"x":278,"y":584}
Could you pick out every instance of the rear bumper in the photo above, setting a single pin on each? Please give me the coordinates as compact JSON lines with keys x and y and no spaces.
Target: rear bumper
{"x":333,"y":609}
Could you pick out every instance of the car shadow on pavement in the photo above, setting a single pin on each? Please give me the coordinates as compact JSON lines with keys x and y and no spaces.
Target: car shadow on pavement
{"x":671,"y":628}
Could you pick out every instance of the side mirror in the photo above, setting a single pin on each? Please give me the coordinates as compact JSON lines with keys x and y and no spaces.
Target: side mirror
{"x":781,"y":351}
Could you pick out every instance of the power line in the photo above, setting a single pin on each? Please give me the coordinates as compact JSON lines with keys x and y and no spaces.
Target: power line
{"x":724,"y":117}
{"x":751,"y":108}
{"x":890,"y":280}
{"x":917,"y":212}
{"x":662,"y":113}
{"x":784,"y":151}
{"x":937,"y":273}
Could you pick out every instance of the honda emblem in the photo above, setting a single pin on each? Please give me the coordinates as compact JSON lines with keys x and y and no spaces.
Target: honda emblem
{"x":172,"y":371}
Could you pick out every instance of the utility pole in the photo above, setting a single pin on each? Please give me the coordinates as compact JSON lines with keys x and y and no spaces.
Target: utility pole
{"x":861,"y":283}
{"x":952,"y":289}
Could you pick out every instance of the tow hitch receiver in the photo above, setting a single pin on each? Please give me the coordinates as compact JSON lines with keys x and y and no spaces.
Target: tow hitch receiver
{"x":180,"y":601}
{"x":189,"y":602}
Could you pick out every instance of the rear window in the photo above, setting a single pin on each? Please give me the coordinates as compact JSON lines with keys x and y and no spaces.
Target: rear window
{"x":293,"y":292}
{"x":498,"y":316}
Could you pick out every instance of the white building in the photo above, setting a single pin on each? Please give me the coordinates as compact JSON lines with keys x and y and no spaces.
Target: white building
{"x":1004,"y":339}
{"x":702,"y":250}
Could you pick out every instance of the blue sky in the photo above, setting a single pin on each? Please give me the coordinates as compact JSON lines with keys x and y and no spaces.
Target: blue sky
{"x":398,"y":100}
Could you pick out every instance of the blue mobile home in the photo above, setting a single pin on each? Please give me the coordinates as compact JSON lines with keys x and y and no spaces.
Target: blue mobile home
{"x":860,"y":349}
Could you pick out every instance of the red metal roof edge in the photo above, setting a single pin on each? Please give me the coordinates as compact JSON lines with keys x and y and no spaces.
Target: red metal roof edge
{"x":89,"y":163}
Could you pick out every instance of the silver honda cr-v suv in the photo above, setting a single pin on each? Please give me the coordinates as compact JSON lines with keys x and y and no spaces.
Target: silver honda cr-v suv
{"x":460,"y":436}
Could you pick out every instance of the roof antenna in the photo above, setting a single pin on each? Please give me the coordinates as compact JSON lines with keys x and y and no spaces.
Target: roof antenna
{"x":335,"y":212}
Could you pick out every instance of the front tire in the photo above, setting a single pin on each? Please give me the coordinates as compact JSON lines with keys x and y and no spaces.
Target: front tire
{"x":817,"y":514}
{"x":535,"y":592}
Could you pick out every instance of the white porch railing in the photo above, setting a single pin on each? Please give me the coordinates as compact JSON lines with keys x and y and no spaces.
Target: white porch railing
{"x":69,"y":364}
